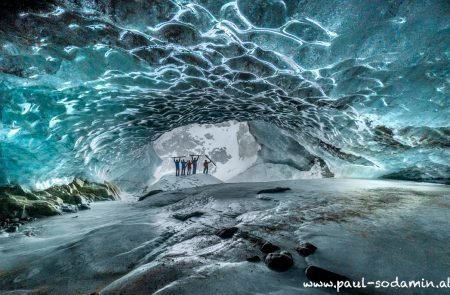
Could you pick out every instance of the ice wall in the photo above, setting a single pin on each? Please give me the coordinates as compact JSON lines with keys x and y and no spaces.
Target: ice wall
{"x":86,"y":86}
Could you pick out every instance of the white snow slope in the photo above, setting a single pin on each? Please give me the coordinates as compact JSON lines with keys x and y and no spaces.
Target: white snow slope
{"x":230,"y":145}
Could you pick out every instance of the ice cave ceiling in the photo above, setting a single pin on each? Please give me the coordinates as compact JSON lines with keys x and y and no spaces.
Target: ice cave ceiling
{"x":86,"y":85}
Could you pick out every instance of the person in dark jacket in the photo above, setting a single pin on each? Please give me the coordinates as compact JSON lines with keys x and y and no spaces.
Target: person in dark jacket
{"x":177,"y":166}
{"x":205,"y":167}
{"x":194,"y":164}
{"x":183,"y":167}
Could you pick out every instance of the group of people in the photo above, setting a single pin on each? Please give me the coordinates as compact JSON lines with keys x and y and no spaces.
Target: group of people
{"x":183,"y":167}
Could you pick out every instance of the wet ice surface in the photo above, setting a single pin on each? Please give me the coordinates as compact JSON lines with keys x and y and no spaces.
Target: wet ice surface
{"x":372,"y":229}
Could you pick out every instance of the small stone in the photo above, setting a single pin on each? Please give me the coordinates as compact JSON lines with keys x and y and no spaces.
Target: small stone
{"x":317,"y":274}
{"x":184,"y":217}
{"x":306,"y":249}
{"x":254,"y":259}
{"x":227,"y":233}
{"x":279,"y":261}
{"x":15,"y":220}
{"x":12,"y":229}
{"x":268,"y":247}
{"x":273,"y":190}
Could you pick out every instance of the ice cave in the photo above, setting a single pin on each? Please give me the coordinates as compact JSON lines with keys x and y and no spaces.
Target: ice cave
{"x":325,"y":125}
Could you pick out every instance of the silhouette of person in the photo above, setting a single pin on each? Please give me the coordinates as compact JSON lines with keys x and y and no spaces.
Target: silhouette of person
{"x":194,"y":164}
{"x":177,"y":167}
{"x":189,"y":166}
{"x":205,"y":167}
{"x":183,"y":167}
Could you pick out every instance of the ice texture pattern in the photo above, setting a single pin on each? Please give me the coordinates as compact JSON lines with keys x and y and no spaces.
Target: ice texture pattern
{"x":87,"y":85}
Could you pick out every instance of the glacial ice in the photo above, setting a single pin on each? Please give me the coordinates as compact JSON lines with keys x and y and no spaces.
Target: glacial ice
{"x":375,"y":229}
{"x":86,"y":86}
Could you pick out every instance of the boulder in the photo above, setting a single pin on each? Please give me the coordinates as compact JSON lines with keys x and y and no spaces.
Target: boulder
{"x":42,"y":208}
{"x":12,"y":229}
{"x":306,"y":249}
{"x":84,"y":206}
{"x":281,"y":261}
{"x":254,"y":259}
{"x":268,"y":247}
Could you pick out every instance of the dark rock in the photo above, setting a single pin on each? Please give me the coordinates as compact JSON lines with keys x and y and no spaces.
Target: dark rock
{"x":69,"y":209}
{"x":279,"y":261}
{"x":306,"y":249}
{"x":317,"y":274}
{"x":184,"y":217}
{"x":84,"y":207}
{"x":273,"y":190}
{"x":227,"y":233}
{"x":268,"y":247}
{"x":254,"y":259}
{"x":150,"y":193}
{"x":12,"y":229}
{"x":43,"y":208}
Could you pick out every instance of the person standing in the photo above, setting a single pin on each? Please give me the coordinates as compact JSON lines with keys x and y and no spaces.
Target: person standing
{"x":189,"y":166}
{"x":194,"y":164}
{"x":183,"y":167}
{"x":205,"y":167}
{"x":177,"y":166}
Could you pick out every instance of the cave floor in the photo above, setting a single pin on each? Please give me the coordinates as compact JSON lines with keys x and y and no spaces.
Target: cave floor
{"x":374,"y":229}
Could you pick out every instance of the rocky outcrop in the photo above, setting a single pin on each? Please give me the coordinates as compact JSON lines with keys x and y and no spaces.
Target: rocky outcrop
{"x":16,"y":202}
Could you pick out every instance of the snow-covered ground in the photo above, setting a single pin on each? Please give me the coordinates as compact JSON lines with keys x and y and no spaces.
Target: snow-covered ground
{"x":172,"y":182}
{"x":362,"y":228}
